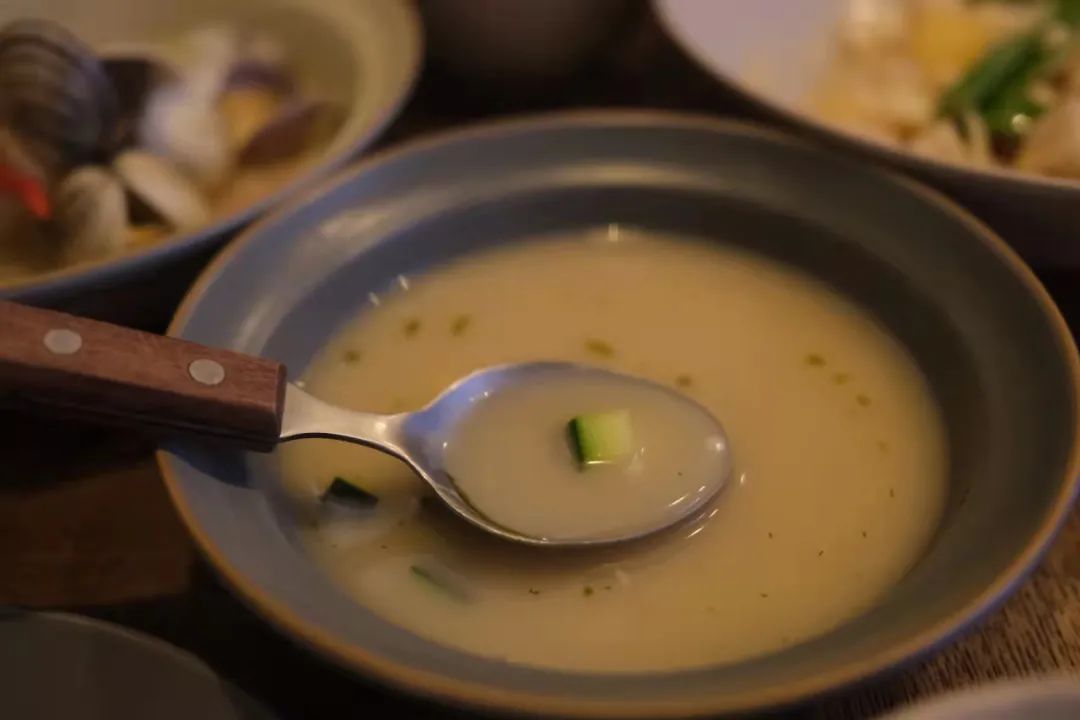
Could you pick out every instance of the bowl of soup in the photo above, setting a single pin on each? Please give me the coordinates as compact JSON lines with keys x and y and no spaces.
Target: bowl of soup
{"x":977,"y":98}
{"x":897,"y":392}
{"x":130,"y":219}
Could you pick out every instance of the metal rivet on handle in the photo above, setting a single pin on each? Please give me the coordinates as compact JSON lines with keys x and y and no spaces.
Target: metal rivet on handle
{"x":207,"y":372}
{"x":61,"y":341}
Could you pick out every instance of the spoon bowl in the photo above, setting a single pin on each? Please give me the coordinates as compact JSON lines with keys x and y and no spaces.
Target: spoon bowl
{"x":420,"y":439}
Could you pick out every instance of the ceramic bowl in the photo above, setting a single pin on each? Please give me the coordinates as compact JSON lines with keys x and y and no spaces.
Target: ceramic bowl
{"x":1044,"y":699}
{"x":364,"y":56}
{"x":994,"y":349}
{"x":54,"y":665}
{"x":773,"y":53}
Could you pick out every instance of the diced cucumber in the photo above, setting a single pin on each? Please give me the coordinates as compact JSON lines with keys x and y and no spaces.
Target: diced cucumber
{"x":602,"y":437}
{"x":980,"y":86}
{"x":998,"y":86}
{"x":442,"y":580}
{"x":347,"y":491}
{"x":1067,"y":12}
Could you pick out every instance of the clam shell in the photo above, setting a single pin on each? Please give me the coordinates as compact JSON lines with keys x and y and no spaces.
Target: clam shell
{"x":91,"y":214}
{"x":182,"y":125}
{"x":54,"y":94}
{"x":134,"y":74}
{"x":163,"y":188}
{"x":181,"y":119}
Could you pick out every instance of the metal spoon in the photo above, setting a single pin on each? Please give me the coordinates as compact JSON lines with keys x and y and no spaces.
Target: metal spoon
{"x":108,"y":372}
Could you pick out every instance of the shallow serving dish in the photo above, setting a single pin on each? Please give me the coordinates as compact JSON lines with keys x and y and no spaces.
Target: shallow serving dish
{"x":774,"y":55}
{"x":361,"y":56}
{"x":994,"y":350}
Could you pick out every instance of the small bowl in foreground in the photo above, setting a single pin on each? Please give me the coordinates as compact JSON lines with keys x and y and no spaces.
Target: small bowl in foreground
{"x":56,"y":665}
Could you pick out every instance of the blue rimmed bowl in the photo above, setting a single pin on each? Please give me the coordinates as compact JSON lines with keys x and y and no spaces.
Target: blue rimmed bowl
{"x":993,"y":347}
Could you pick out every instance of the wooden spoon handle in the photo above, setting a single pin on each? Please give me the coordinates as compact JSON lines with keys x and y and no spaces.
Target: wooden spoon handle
{"x":115,"y":374}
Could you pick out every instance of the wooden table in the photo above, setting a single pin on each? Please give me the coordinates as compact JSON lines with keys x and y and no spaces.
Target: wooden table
{"x":85,"y":524}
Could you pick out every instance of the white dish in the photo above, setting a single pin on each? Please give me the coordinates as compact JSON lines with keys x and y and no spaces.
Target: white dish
{"x":774,"y":53}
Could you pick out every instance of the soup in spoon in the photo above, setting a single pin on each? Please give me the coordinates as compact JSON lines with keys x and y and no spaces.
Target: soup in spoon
{"x":583,"y":454}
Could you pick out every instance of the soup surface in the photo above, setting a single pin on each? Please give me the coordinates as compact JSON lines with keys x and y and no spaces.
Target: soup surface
{"x":839,"y":455}
{"x":575,"y":454}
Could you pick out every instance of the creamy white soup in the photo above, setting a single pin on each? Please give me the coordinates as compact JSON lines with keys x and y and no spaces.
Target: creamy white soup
{"x":576,"y":454}
{"x":839,"y":456}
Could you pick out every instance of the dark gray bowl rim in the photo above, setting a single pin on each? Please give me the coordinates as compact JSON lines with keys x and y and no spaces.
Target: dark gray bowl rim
{"x":490,"y":698}
{"x":76,"y":278}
